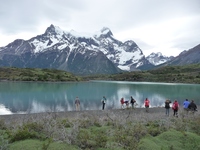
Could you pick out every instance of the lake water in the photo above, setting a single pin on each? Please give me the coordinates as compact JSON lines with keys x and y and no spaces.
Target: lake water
{"x":34,"y":97}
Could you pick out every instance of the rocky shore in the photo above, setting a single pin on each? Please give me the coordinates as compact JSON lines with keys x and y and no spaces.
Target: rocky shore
{"x":112,"y":114}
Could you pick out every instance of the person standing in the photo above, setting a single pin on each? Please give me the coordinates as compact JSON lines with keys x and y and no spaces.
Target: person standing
{"x":77,"y":103}
{"x":103,"y":102}
{"x":175,"y":107}
{"x":192,"y":106}
{"x":185,"y":105}
{"x":122,"y":103}
{"x":132,"y":102}
{"x":167,"y":106}
{"x":146,"y":104}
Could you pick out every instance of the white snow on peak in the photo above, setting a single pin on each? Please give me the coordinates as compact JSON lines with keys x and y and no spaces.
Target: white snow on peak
{"x":120,"y":54}
{"x":62,"y":46}
{"x":157,"y":58}
{"x":42,"y":45}
{"x":105,"y":30}
{"x":58,"y":30}
{"x":158,"y":54}
{"x":80,"y":34}
{"x":129,"y":43}
{"x":139,"y":64}
{"x":127,"y":68}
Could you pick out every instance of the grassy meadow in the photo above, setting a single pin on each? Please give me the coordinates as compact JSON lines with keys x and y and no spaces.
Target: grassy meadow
{"x":101,"y":130}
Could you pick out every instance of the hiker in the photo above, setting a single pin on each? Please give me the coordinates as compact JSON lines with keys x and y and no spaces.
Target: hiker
{"x":77,"y":103}
{"x":103,"y":102}
{"x":185,"y":105}
{"x":132,"y":102}
{"x":167,"y":107}
{"x":192,"y":106}
{"x":175,"y":107}
{"x":127,"y":103}
{"x":122,"y":103}
{"x":146,"y":104}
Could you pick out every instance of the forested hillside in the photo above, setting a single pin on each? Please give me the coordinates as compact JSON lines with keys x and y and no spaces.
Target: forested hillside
{"x":169,"y":74}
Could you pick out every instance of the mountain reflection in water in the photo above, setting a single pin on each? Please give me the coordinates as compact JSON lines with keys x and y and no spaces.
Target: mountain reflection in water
{"x":34,"y":97}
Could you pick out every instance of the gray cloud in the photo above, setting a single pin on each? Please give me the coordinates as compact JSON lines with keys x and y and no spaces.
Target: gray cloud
{"x":142,"y":20}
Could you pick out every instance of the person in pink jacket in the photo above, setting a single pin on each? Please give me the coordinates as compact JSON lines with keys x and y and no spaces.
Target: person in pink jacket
{"x":122,"y":103}
{"x":175,"y":107}
{"x":146,"y":104}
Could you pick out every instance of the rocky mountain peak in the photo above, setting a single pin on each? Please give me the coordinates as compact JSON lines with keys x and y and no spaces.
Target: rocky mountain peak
{"x":158,"y":58}
{"x":106,"y":30}
{"x":54,"y":30}
{"x":75,"y":52}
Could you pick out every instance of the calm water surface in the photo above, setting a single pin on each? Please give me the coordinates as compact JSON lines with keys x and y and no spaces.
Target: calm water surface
{"x":34,"y":97}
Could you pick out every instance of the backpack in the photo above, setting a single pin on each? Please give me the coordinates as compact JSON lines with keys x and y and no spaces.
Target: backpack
{"x":132,"y":100}
{"x":174,"y":106}
{"x":167,"y":105}
{"x":146,"y":103}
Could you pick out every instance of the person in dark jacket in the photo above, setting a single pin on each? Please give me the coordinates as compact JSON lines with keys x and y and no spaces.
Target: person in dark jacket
{"x":103,"y":102}
{"x":132,"y":102}
{"x":167,"y":107}
{"x":192,"y":106}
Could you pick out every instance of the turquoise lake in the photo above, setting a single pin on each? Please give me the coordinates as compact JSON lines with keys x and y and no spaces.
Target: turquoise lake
{"x":34,"y":97}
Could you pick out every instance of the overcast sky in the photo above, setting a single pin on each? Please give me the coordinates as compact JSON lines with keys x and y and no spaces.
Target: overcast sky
{"x":167,"y":26}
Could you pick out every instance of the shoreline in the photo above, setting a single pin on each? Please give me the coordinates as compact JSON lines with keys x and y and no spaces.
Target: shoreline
{"x":155,"y":113}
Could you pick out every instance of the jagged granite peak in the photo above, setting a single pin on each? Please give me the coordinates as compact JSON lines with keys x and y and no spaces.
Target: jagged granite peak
{"x":75,"y":52}
{"x":158,"y":58}
{"x":106,"y":31}
{"x":54,"y":30}
{"x":131,"y":46}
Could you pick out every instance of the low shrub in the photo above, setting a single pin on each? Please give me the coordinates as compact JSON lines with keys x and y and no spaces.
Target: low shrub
{"x":2,"y":125}
{"x":22,"y":135}
{"x":3,"y":141}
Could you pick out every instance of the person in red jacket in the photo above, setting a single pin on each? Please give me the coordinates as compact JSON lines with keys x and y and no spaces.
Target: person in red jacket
{"x":146,"y":104}
{"x":175,"y":107}
{"x":122,"y":103}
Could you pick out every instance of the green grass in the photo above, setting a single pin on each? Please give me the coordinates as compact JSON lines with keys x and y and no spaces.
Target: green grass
{"x":88,"y":131}
{"x":35,"y":74}
{"x":169,"y":74}
{"x":171,"y":140}
{"x":32,"y":144}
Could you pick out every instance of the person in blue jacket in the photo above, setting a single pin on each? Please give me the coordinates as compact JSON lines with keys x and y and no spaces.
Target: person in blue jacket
{"x":185,"y":105}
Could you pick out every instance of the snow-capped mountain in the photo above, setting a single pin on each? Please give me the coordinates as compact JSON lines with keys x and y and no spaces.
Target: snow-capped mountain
{"x":74,"y":52}
{"x":126,"y":56}
{"x":158,"y":58}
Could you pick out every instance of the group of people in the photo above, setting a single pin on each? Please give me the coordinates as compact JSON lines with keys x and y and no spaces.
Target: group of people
{"x":132,"y":101}
{"x":77,"y":103}
{"x":187,"y":106}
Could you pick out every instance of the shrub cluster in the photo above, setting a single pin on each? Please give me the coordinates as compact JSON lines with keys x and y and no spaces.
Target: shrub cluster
{"x":105,"y":131}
